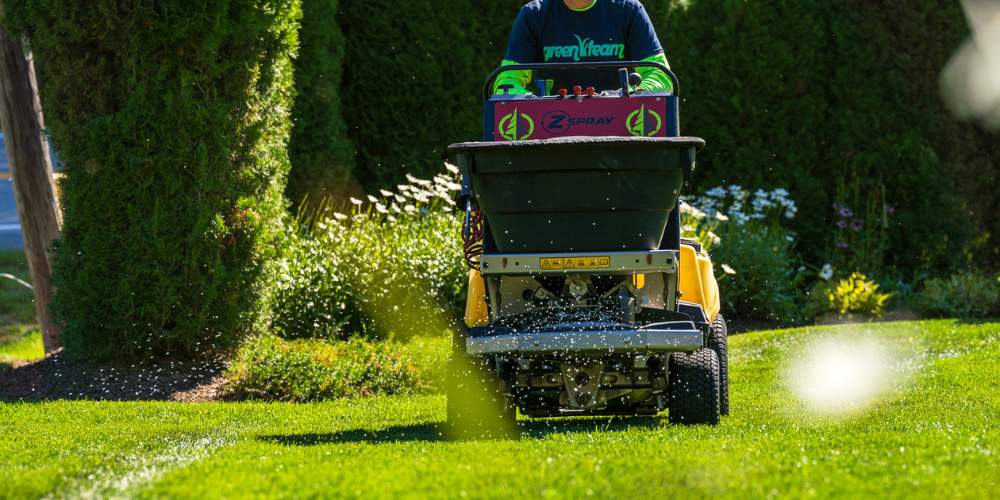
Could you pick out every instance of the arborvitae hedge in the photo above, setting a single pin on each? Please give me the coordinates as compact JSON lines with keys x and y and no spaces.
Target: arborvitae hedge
{"x":406,"y":80}
{"x":322,"y":155}
{"x":171,"y":119}
{"x":831,"y":99}
{"x":826,"y":99}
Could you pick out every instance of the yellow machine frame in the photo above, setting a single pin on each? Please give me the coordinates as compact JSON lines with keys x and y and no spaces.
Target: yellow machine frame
{"x":696,"y":276}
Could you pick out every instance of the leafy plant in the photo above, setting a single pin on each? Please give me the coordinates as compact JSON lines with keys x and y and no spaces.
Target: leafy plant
{"x":745,"y":236}
{"x":765,"y":283}
{"x":861,"y":236}
{"x":392,"y":266}
{"x":271,"y":368}
{"x":962,"y":295}
{"x":855,"y":294}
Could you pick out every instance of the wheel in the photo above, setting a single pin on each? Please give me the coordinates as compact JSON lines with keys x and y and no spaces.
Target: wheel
{"x":477,"y":407}
{"x":718,"y":341}
{"x":694,"y":388}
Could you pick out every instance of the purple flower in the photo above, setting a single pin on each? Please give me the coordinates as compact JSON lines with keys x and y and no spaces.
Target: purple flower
{"x":846,"y":212}
{"x":842,"y":223}
{"x":842,"y":245}
{"x":857,"y":225}
{"x":837,"y":207}
{"x":891,"y":209}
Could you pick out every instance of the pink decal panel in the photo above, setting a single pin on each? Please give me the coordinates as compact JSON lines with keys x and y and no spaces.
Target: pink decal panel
{"x":523,"y":119}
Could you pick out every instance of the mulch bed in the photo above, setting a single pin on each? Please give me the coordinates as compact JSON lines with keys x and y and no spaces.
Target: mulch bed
{"x":56,"y":377}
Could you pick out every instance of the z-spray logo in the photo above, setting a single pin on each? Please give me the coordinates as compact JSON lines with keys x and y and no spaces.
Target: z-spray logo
{"x":516,"y":126}
{"x":638,"y":125}
{"x":559,"y":122}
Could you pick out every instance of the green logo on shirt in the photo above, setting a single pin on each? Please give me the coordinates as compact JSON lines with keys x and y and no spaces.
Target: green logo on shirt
{"x":585,"y":47}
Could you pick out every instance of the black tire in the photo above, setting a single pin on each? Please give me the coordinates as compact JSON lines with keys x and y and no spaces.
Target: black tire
{"x":476,"y":406}
{"x":694,"y":388}
{"x":718,"y":341}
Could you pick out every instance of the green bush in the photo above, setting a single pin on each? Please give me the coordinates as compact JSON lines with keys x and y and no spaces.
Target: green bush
{"x":409,"y":84}
{"x":765,"y":284}
{"x":962,"y":295}
{"x":322,"y":155}
{"x":745,"y":236}
{"x":811,"y":95}
{"x":393,"y":266}
{"x":854,"y":295}
{"x":171,"y":122}
{"x":270,"y":368}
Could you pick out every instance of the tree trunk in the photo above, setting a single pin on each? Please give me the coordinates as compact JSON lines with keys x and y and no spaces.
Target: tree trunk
{"x":31,"y":169}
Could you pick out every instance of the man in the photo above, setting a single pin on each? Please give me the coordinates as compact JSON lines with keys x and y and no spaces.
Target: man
{"x":550,"y":31}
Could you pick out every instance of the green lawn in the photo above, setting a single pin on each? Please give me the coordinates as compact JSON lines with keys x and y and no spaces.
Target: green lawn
{"x":19,"y":336}
{"x":938,"y":435}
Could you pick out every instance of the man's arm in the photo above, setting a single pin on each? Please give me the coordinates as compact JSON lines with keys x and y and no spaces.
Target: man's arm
{"x":643,"y":43}
{"x":654,"y":79}
{"x":522,"y":48}
{"x":518,"y":79}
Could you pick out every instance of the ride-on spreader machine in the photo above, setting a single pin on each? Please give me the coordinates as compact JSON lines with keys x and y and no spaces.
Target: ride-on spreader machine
{"x":583,"y":299}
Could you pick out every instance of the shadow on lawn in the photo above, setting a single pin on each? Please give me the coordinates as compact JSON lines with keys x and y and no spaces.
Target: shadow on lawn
{"x":526,"y":429}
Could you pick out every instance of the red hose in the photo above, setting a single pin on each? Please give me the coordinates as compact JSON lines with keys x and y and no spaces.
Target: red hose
{"x":472,"y":238}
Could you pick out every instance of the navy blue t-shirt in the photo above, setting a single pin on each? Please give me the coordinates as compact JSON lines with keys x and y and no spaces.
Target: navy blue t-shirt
{"x":611,"y":30}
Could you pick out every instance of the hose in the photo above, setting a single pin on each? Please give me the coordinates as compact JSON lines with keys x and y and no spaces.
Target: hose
{"x":472,"y":235}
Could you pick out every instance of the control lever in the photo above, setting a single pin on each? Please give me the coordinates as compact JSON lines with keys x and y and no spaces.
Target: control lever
{"x":623,"y":78}
{"x":543,"y":87}
{"x":635,"y":79}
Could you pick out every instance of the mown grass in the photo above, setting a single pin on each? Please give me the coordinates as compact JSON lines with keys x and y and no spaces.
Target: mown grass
{"x":20,"y":339}
{"x":936,"y":437}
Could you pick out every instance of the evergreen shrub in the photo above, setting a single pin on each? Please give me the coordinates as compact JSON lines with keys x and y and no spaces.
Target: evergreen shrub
{"x":171,"y":120}
{"x":321,"y":153}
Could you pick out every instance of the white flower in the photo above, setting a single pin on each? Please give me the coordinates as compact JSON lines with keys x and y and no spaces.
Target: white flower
{"x":728,"y":270}
{"x":339,"y":216}
{"x":419,"y":182}
{"x":715,"y":238}
{"x":827,"y":272}
{"x":716,"y":192}
{"x":692,"y":211}
{"x":451,"y":168}
{"x":721,"y":217}
{"x":380,"y":208}
{"x":385,"y":193}
{"x":372,"y":199}
{"x":356,"y":201}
